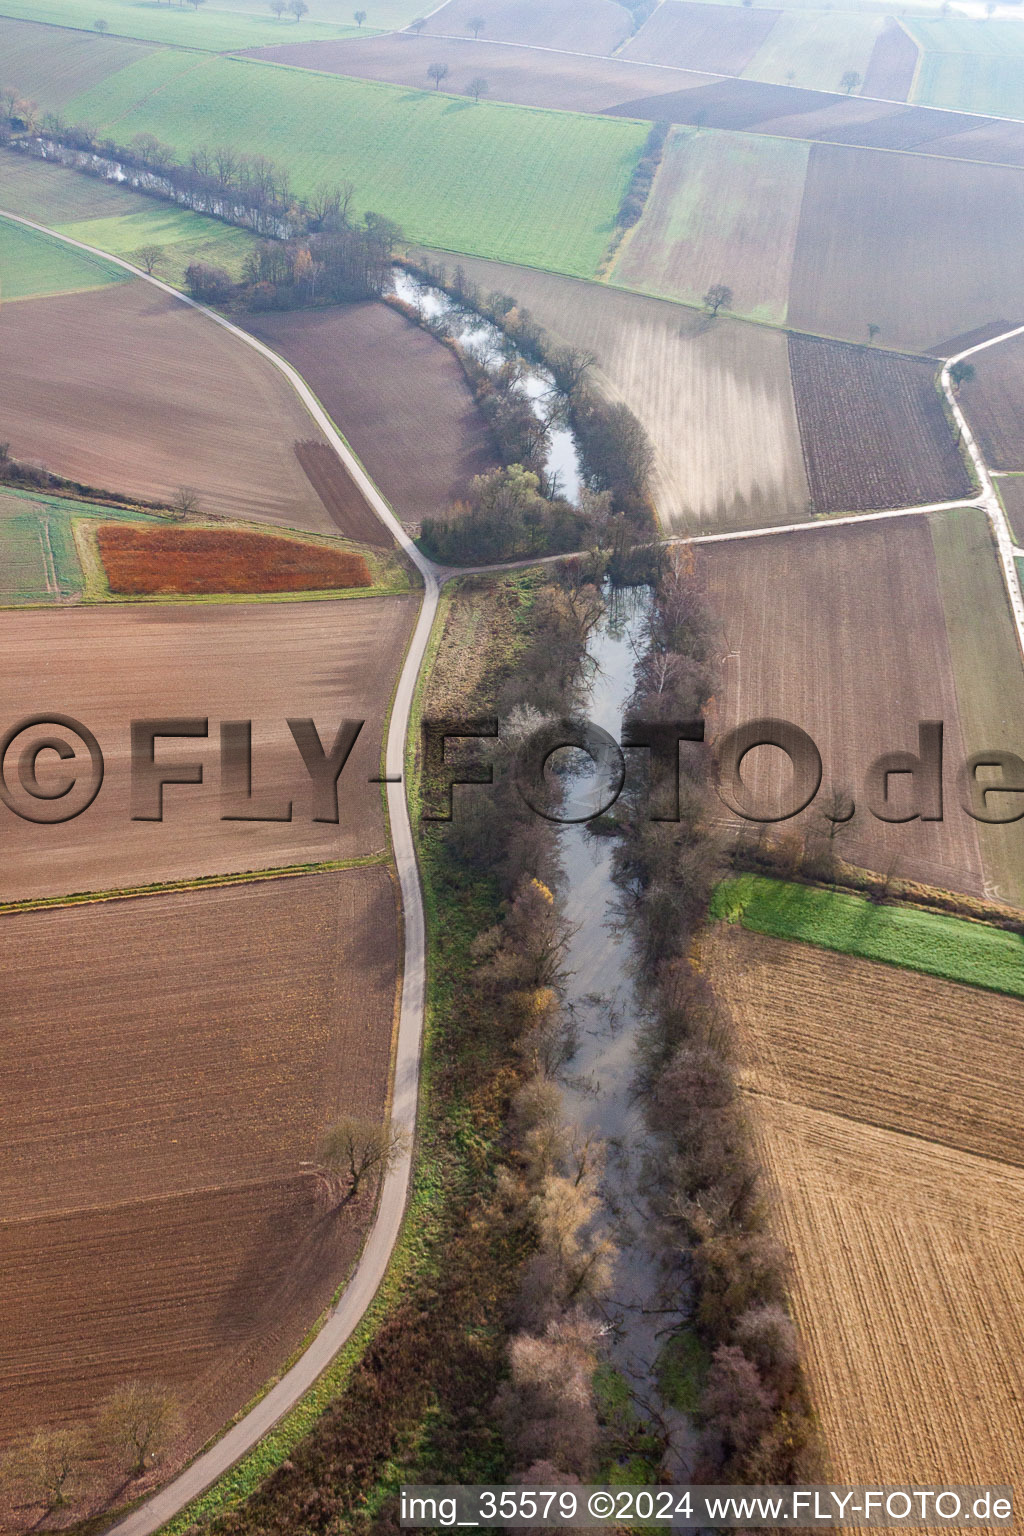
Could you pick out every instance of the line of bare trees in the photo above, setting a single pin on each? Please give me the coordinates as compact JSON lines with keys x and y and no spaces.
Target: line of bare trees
{"x":754,"y":1418}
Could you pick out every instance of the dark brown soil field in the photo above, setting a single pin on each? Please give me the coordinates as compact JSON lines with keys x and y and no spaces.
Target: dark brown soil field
{"x":875,"y":246}
{"x":891,"y":67}
{"x":341,"y":496}
{"x":694,"y":36}
{"x":841,"y":631}
{"x":156,"y":1218}
{"x":993,"y":403}
{"x":587,"y":26}
{"x":328,"y":661}
{"x":145,"y":561}
{"x":873,"y":429}
{"x":954,"y":344}
{"x":530,"y":76}
{"x":128,"y":390}
{"x":400,"y":397}
{"x":794,"y":113}
{"x":1011,"y":491}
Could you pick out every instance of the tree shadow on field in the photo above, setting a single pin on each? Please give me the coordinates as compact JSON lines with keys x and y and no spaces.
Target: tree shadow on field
{"x":458,"y":106}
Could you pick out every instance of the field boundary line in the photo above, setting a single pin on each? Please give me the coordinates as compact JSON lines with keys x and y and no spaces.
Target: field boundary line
{"x":194,"y":883}
{"x":374,"y":1259}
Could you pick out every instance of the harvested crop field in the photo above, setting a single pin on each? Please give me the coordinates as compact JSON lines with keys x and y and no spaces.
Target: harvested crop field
{"x":533,"y":77}
{"x":890,"y":70}
{"x":716,"y":399}
{"x":841,"y":631}
{"x":181,"y":1122}
{"x":131,"y":391}
{"x":906,"y":1228}
{"x":326,"y":661}
{"x":993,"y":403}
{"x":587,"y":26}
{"x":147,"y":561}
{"x":815,"y":51}
{"x":874,"y":246}
{"x":1011,"y":494}
{"x":722,"y":39}
{"x":400,"y":397}
{"x":873,"y":428}
{"x":724,"y":208}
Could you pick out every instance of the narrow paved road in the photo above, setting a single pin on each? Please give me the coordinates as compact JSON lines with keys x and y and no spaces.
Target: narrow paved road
{"x":213,"y":1463}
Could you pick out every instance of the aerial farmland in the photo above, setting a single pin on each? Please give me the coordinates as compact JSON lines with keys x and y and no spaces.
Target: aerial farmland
{"x":400,"y":408}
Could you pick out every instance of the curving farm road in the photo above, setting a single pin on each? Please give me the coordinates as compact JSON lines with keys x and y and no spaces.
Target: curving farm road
{"x":220,"y":1457}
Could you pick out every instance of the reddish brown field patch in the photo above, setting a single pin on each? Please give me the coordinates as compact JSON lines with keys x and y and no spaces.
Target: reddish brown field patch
{"x":129,"y":390}
{"x":693,"y":36}
{"x":145,"y":561}
{"x":873,"y":429}
{"x":890,"y":70}
{"x":158,"y":1214}
{"x":842,"y":632}
{"x":400,"y":397}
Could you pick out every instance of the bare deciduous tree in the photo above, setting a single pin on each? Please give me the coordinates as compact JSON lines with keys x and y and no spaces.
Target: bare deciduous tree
{"x":99,"y":25}
{"x":150,"y":257}
{"x":718,"y":296}
{"x":476,"y":25}
{"x":279,"y":7}
{"x":354,"y":1148}
{"x":477,"y":87}
{"x":873,"y":330}
{"x":961,"y":373}
{"x":437,"y":73}
{"x":359,"y":17}
{"x":137,"y":1423}
{"x":850,"y":81}
{"x":48,"y":1469}
{"x":185,"y":503}
{"x":298,"y":8}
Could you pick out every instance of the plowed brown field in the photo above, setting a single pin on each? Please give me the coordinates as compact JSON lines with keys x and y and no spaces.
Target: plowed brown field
{"x":906,"y":1229}
{"x":329,"y":661}
{"x":994,"y":404}
{"x":155,"y":1216}
{"x":696,"y":36}
{"x":399,"y":396}
{"x":890,"y":71}
{"x":588,"y":26}
{"x":873,"y":428}
{"x":128,"y":390}
{"x":841,"y":631}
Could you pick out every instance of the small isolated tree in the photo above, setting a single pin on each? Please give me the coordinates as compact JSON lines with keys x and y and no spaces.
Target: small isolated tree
{"x":185,"y":503}
{"x":717,"y":297}
{"x":99,"y":25}
{"x":850,"y":81}
{"x":358,"y":17}
{"x":873,"y":330}
{"x":354,"y":1149}
{"x":48,"y":1469}
{"x":298,"y":8}
{"x":437,"y":73}
{"x":476,"y":25}
{"x":477,"y":87}
{"x":279,"y":7}
{"x":137,"y":1423}
{"x":418,"y":25}
{"x":961,"y":373}
{"x":150,"y":257}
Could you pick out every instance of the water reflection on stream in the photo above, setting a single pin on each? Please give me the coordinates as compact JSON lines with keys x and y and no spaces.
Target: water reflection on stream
{"x":598,"y":1079}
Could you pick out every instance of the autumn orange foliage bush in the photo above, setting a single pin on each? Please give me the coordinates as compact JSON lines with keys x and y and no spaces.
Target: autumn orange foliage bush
{"x":142,"y":562}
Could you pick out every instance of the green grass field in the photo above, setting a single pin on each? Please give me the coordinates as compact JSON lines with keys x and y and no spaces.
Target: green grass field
{"x":49,"y":67}
{"x":214,"y":28}
{"x":513,"y":183}
{"x":973,"y":66}
{"x":918,"y":941}
{"x":815,"y":50}
{"x":40,"y":190}
{"x":31,"y":266}
{"x":38,"y":561}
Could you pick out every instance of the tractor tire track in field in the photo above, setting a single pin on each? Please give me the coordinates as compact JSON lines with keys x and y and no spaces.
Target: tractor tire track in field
{"x":189,"y":1484}
{"x":376,"y":1254}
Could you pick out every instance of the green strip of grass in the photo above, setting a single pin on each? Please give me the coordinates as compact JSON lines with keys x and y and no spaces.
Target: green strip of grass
{"x":950,"y":947}
{"x":33,"y":266}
